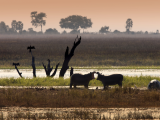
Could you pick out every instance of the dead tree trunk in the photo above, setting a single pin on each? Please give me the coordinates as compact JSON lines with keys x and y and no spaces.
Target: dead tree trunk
{"x":68,"y":56}
{"x":17,"y":64}
{"x":48,"y":70}
{"x":33,"y":65}
{"x":33,"y":60}
{"x":71,"y":71}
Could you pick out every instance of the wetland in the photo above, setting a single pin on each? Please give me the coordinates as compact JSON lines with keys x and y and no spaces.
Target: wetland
{"x":29,"y":101}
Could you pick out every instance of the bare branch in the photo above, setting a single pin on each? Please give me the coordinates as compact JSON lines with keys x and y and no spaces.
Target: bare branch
{"x":17,"y":64}
{"x":55,"y":70}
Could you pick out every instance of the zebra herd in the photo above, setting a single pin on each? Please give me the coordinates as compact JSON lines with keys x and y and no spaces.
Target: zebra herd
{"x":79,"y":79}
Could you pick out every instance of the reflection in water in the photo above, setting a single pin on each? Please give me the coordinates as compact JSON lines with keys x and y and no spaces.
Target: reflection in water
{"x":7,"y":73}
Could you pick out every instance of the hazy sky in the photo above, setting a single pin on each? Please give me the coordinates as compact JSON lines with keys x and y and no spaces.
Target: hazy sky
{"x":113,"y":13}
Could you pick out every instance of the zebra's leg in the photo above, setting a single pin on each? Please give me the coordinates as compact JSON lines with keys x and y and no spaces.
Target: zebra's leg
{"x":104,"y":87}
{"x":75,"y":86}
{"x":120,"y":84}
{"x":107,"y":87}
{"x":70,"y":85}
{"x":86,"y":86}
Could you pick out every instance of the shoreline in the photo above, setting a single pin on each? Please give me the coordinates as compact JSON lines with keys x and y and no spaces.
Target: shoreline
{"x":95,"y":67}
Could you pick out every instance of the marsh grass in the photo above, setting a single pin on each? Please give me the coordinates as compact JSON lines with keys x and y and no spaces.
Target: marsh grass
{"x":139,"y":81}
{"x":96,"y":50}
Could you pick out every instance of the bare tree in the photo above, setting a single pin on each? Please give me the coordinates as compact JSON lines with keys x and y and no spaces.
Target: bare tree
{"x":49,"y":69}
{"x":68,"y":56}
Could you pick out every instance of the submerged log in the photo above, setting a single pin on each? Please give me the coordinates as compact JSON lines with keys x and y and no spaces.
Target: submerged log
{"x":68,"y":56}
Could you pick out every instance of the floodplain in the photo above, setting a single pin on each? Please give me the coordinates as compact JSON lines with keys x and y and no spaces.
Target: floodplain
{"x":96,"y":51}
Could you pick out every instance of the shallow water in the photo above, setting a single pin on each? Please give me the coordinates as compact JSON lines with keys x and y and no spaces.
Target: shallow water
{"x":28,"y":73}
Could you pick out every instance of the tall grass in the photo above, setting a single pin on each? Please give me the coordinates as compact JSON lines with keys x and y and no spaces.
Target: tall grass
{"x":60,"y":98}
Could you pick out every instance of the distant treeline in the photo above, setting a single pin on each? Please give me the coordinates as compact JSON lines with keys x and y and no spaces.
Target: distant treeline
{"x":73,"y":22}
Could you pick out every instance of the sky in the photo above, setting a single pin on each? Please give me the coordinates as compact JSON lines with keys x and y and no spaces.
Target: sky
{"x":145,"y":14}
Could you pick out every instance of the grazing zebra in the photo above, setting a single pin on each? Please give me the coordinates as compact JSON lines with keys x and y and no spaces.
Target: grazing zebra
{"x":79,"y":79}
{"x":111,"y":79}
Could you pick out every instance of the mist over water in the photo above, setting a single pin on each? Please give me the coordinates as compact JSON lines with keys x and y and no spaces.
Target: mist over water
{"x":73,"y":36}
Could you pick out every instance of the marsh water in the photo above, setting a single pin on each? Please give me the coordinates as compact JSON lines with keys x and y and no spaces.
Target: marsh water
{"x":27,"y":73}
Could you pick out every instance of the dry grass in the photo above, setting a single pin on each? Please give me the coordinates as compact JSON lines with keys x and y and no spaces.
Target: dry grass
{"x":77,"y":113}
{"x":59,"y":98}
{"x":93,"y":50}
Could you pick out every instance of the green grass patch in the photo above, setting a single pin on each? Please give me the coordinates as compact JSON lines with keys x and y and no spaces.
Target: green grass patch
{"x":34,"y":82}
{"x":139,"y":81}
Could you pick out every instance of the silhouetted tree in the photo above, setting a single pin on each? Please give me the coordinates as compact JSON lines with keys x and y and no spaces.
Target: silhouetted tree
{"x":68,"y":56}
{"x":75,"y":32}
{"x":24,"y":32}
{"x":75,"y":21}
{"x":19,"y":26}
{"x":157,"y":32}
{"x":51,"y":31}
{"x":129,"y":24}
{"x":39,"y":33}
{"x":14,"y":24}
{"x":11,"y":31}
{"x":104,"y":29}
{"x":31,"y":31}
{"x":146,"y":32}
{"x":64,"y":32}
{"x":116,"y":31}
{"x":3,"y":27}
{"x":37,"y":19}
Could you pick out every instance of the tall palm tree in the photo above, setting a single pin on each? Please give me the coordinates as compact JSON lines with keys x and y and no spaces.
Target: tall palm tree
{"x":37,"y":19}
